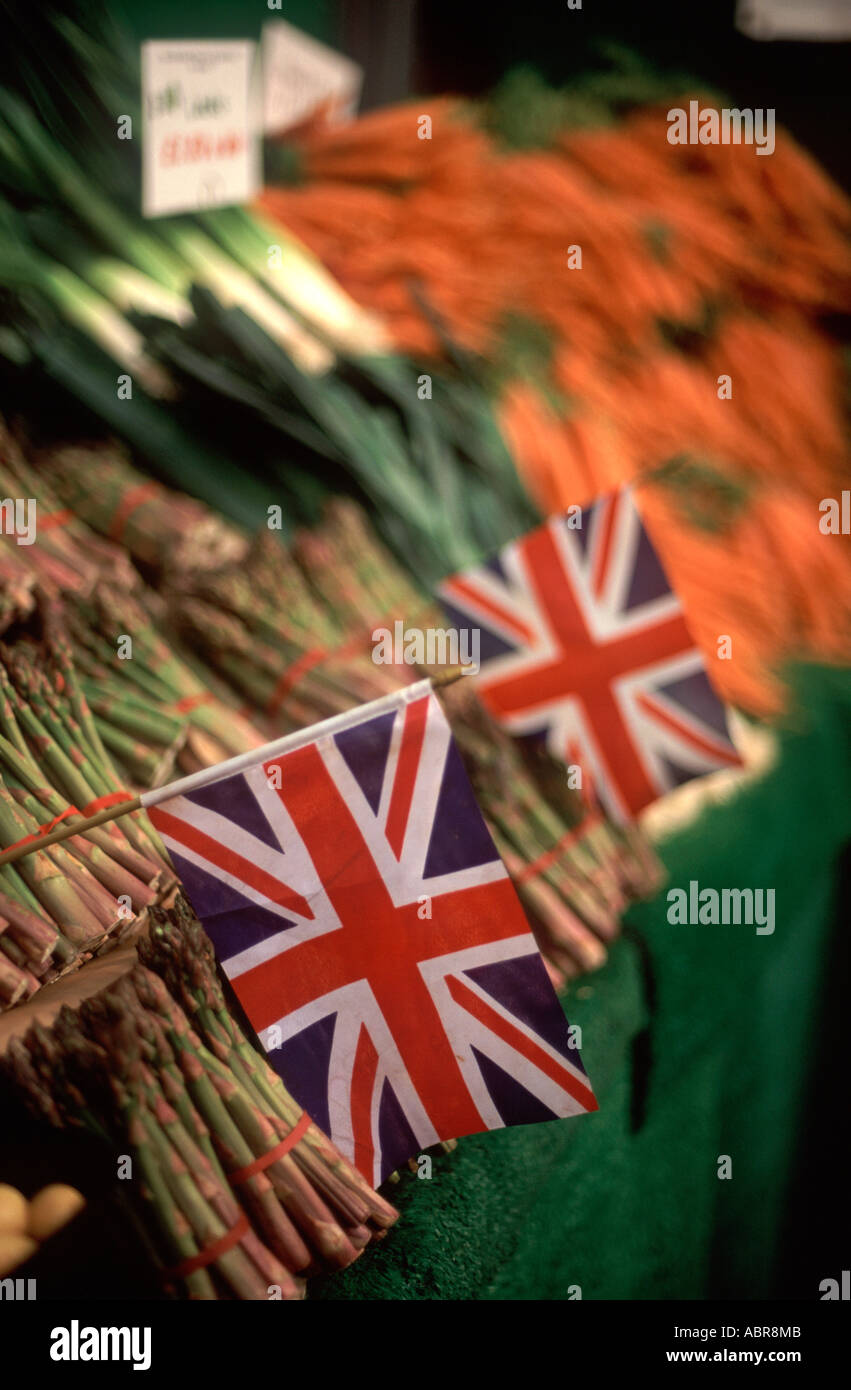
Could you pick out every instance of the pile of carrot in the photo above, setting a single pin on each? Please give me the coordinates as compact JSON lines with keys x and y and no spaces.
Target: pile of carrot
{"x":697,"y":262}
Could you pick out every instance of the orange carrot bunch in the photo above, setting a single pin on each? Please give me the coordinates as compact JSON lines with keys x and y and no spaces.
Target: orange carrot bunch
{"x":679,"y":290}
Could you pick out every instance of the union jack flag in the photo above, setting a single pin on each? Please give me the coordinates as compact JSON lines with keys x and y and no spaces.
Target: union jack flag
{"x":359,"y":906}
{"x":585,"y":645}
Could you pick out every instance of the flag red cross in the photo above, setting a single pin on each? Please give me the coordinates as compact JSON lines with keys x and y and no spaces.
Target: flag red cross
{"x":585,"y":667}
{"x":385,"y":944}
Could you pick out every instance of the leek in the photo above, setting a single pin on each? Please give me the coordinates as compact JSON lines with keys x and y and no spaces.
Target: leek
{"x":235,"y":288}
{"x":23,"y":267}
{"x":300,"y":280}
{"x":94,"y":210}
{"x":130,"y":290}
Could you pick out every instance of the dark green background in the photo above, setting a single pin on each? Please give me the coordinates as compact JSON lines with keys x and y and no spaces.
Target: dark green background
{"x":225,"y":19}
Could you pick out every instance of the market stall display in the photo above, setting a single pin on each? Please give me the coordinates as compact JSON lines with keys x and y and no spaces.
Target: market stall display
{"x":516,"y":369}
{"x":253,"y":640}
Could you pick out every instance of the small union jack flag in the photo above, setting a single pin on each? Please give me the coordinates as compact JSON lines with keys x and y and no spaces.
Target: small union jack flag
{"x":360,"y":908}
{"x":585,"y":645}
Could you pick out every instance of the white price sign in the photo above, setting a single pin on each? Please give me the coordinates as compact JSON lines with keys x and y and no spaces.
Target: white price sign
{"x":302,"y":78}
{"x":200,"y":136}
{"x":816,"y":20}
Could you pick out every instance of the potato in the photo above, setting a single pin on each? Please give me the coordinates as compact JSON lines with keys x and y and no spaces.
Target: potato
{"x":13,"y":1210}
{"x":52,"y":1208}
{"x":14,"y":1249}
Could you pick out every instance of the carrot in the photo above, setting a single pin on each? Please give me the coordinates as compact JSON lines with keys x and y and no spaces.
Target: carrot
{"x":697,"y":262}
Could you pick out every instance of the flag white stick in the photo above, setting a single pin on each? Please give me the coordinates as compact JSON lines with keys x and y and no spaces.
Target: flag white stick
{"x":77,"y":825}
{"x":287,"y":744}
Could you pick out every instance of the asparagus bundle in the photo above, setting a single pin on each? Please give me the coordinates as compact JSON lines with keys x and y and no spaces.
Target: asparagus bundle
{"x":286,"y":653}
{"x":247,"y":1194}
{"x":61,"y":550}
{"x":155,"y":701}
{"x":61,"y":903}
{"x":17,"y":584}
{"x":164,"y":532}
{"x":290,"y":631}
{"x":153,"y":713}
{"x":257,"y":619}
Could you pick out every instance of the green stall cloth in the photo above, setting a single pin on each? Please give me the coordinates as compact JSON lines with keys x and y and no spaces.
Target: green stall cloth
{"x":701,"y":1041}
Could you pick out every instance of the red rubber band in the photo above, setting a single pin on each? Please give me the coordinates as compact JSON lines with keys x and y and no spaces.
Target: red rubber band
{"x":210,"y":1253}
{"x":243,"y":1174}
{"x":100,"y":803}
{"x":52,"y":519}
{"x":132,"y":499}
{"x":190,"y":702}
{"x":45,"y":829}
{"x":292,"y":676}
{"x":360,"y":640}
{"x":570,"y":837}
{"x":356,"y":641}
